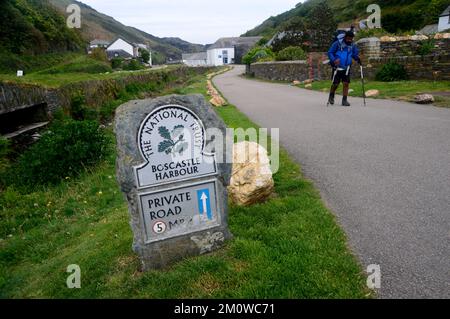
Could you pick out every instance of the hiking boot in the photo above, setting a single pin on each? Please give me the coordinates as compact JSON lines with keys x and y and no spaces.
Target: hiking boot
{"x":331,"y":99}
{"x":345,"y":102}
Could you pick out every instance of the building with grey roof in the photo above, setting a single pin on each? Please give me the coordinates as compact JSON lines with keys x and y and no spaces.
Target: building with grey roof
{"x":195,"y":59}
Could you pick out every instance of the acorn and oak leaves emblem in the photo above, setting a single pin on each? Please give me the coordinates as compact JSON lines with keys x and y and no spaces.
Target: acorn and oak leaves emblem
{"x":174,"y":142}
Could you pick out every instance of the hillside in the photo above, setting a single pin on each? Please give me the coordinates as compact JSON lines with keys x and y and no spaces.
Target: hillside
{"x":29,"y":27}
{"x":96,"y":25}
{"x":397,"y":15}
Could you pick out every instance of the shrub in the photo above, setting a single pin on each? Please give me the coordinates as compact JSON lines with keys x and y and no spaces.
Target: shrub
{"x":390,"y":72}
{"x":291,"y":54}
{"x":258,"y":54}
{"x":117,"y":63}
{"x":426,"y":47}
{"x":399,"y":21}
{"x":99,"y":54}
{"x":145,"y":55}
{"x":133,"y":65}
{"x":4,"y":152}
{"x":64,"y":151}
{"x":79,"y":110}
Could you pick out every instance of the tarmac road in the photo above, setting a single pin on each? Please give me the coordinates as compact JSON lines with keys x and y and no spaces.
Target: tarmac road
{"x":384,"y":170}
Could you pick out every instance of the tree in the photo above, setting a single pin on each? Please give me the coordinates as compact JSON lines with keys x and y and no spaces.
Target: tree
{"x":321,"y":26}
{"x":293,"y":34}
{"x":145,"y":55}
{"x":99,"y":54}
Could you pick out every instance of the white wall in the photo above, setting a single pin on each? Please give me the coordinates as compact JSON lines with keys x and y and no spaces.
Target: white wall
{"x":444,"y":23}
{"x":122,"y":45}
{"x":215,"y":56}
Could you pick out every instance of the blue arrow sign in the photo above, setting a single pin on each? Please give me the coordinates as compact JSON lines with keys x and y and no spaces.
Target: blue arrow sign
{"x":204,"y":203}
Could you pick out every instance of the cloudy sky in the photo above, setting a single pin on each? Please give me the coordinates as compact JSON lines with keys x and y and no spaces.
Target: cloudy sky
{"x":196,"y":21}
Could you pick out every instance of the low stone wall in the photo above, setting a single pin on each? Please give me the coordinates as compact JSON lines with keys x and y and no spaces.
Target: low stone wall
{"x":427,"y":67}
{"x":280,"y":71}
{"x":375,"y":52}
{"x":14,"y":96}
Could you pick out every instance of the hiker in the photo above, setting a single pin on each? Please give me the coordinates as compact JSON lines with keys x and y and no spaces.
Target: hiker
{"x":341,"y":54}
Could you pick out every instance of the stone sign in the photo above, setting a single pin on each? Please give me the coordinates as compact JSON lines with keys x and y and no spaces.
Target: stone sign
{"x":172,"y":140}
{"x":177,"y":192}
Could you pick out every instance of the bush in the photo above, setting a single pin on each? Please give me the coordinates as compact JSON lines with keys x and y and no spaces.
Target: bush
{"x":64,"y":151}
{"x":117,"y":63}
{"x":291,"y":54}
{"x":400,"y":21}
{"x":258,"y":54}
{"x":426,"y":47}
{"x":99,"y":54}
{"x":145,"y":55}
{"x":133,"y":65}
{"x":4,"y":152}
{"x":79,"y":110}
{"x":390,"y":72}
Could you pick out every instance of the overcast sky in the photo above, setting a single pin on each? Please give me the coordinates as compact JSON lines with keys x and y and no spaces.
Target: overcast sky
{"x":196,"y":21}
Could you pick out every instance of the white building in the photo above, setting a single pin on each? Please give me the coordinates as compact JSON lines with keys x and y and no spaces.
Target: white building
{"x":122,"y":45}
{"x":224,"y":51}
{"x":195,"y":59}
{"x":230,"y":50}
{"x":123,"y":49}
{"x":444,"y":20}
{"x":220,"y":56}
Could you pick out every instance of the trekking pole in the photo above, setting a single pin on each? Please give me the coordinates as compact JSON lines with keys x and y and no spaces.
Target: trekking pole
{"x":332,"y":84}
{"x":363,"y":86}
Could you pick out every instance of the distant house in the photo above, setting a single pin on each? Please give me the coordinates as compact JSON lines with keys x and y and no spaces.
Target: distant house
{"x":94,"y":44}
{"x":122,"y":45}
{"x":123,"y":49}
{"x":224,"y":51}
{"x":195,"y":59}
{"x":444,"y":20}
{"x":99,"y":44}
{"x":230,"y":50}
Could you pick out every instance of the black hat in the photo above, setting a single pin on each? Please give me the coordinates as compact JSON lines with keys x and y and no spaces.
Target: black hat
{"x":349,"y":34}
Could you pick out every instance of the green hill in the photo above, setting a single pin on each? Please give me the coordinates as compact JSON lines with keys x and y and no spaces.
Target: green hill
{"x":397,"y":15}
{"x":34,"y":27}
{"x":34,"y":35}
{"x":96,"y":25}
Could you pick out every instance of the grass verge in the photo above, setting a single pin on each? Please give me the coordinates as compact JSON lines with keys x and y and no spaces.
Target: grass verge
{"x":401,"y":90}
{"x":288,"y":247}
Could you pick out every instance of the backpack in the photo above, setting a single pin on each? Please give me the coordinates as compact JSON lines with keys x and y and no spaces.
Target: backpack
{"x":339,"y":35}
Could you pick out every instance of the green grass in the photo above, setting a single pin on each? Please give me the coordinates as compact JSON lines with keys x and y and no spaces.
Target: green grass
{"x":401,"y":90}
{"x":75,"y":68}
{"x":289,"y":247}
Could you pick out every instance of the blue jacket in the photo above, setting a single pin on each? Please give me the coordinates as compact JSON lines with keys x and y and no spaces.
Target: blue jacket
{"x":345,"y":53}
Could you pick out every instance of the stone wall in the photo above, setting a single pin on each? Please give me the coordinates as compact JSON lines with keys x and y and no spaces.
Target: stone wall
{"x":280,"y":71}
{"x":407,"y":50}
{"x":427,"y":67}
{"x":14,"y":96}
{"x":375,"y":52}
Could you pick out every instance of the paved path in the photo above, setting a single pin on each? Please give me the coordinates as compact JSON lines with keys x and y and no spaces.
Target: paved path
{"x":384,"y":171}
